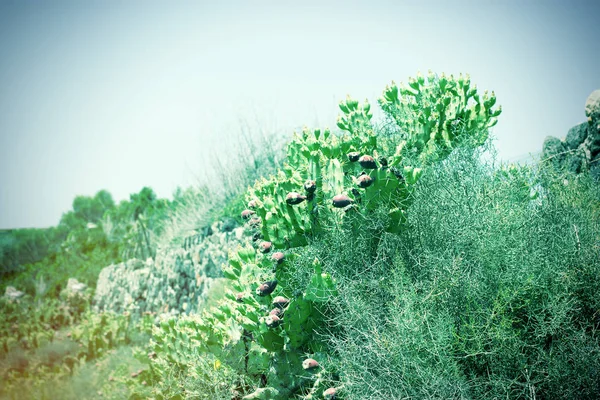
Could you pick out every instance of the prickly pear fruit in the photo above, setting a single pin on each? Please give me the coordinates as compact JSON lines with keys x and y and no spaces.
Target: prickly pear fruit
{"x":364,"y":181}
{"x":341,"y":201}
{"x":266,"y":288}
{"x":354,"y":156}
{"x":246,"y":214}
{"x":276,"y":311}
{"x":330,"y":394}
{"x":294,"y":198}
{"x":255,"y":222}
{"x":310,"y":186}
{"x":278,"y":257}
{"x":265,"y":247}
{"x":280,"y":302}
{"x":273,"y":321}
{"x":310,"y":364}
{"x":367,"y":162}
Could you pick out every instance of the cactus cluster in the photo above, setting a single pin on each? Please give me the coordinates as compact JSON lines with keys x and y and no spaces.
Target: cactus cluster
{"x":328,"y":179}
{"x":277,"y":318}
{"x":437,"y":112}
{"x":325,"y":172}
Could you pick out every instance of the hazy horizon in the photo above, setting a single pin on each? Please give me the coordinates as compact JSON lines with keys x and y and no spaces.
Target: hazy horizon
{"x":120,"y":95}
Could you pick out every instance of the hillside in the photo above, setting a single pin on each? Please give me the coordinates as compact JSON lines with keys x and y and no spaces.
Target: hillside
{"x":386,"y":259}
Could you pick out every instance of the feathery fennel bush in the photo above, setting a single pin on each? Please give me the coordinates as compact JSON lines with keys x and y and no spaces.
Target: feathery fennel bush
{"x":487,"y":294}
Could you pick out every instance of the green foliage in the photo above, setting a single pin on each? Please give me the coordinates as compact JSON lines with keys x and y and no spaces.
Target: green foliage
{"x":49,"y":345}
{"x":29,"y":324}
{"x":95,"y":234}
{"x":25,"y":246}
{"x":483,"y":297}
{"x":386,"y":262}
{"x":438,"y":113}
{"x":97,"y":333}
{"x":327,"y":183}
{"x":135,"y":225}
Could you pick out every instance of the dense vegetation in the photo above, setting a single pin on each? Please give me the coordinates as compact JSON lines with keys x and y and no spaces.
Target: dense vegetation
{"x":95,"y":233}
{"x":392,"y":260}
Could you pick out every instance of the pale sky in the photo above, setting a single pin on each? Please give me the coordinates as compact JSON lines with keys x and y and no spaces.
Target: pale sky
{"x":118,"y":95}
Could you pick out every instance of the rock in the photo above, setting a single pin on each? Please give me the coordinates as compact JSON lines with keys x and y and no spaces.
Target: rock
{"x":576,"y":136}
{"x":595,"y":168}
{"x":13,"y":294}
{"x":239,"y":233}
{"x":578,"y":152}
{"x":575,"y":162}
{"x":554,"y":149}
{"x":229,"y":224}
{"x":592,"y":112}
{"x":592,"y":144}
{"x":592,"y":105}
{"x":207,"y":231}
{"x":76,"y":287}
{"x":176,"y":282}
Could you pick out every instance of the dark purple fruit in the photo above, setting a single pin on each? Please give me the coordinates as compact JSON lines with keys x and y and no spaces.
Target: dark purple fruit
{"x":246,"y":214}
{"x":276,"y":311}
{"x":280,"y":302}
{"x":341,"y":201}
{"x":310,"y":364}
{"x":255,"y":222}
{"x":367,"y":162}
{"x":310,"y":186}
{"x":265,"y":247}
{"x":239,"y":297}
{"x":294,"y":198}
{"x":273,"y":321}
{"x":330,"y":394}
{"x":266,"y":288}
{"x":278,"y":257}
{"x":383,"y":161}
{"x":354,"y":156}
{"x":364,"y":181}
{"x":252,"y":204}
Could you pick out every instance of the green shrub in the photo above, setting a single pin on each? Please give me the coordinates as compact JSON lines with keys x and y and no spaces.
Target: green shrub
{"x":486,"y":295}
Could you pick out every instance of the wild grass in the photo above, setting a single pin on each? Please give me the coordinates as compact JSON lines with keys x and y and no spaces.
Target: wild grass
{"x":220,"y":191}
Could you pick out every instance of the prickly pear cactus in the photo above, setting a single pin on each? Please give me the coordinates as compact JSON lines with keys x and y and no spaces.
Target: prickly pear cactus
{"x":329,"y":179}
{"x":437,"y":113}
{"x":326,"y":174}
{"x":276,"y":317}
